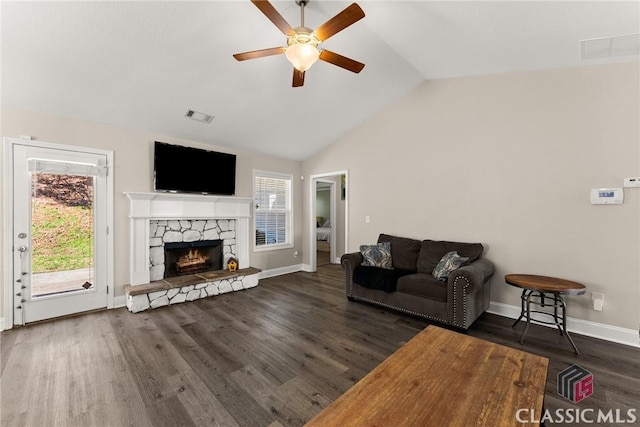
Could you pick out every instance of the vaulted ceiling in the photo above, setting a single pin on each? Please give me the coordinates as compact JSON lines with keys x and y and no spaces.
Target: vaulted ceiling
{"x":143,"y":64}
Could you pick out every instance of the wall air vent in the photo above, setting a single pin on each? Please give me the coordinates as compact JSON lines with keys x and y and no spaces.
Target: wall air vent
{"x":609,"y":47}
{"x":198,"y":116}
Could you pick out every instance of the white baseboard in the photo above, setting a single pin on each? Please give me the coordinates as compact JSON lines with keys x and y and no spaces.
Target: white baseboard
{"x":280,"y":271}
{"x":2,"y":325}
{"x":285,"y":270}
{"x":120,"y":301}
{"x":579,"y":326}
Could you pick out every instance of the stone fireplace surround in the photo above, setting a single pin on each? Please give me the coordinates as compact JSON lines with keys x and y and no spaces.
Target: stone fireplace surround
{"x":198,"y":217}
{"x":174,"y":231}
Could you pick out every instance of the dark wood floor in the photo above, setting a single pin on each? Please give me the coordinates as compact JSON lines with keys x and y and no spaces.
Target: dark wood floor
{"x":323,"y":258}
{"x":269,"y":356}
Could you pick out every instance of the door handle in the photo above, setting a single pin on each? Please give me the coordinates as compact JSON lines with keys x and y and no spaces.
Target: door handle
{"x":22,"y":248}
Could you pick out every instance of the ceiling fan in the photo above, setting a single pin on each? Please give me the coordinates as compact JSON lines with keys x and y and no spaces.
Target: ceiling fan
{"x":302,"y":42}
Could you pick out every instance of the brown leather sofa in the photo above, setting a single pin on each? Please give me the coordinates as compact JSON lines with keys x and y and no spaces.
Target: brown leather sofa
{"x":411,"y":288}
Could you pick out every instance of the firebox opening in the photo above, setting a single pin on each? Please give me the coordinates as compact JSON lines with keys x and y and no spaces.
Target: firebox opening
{"x":192,"y":257}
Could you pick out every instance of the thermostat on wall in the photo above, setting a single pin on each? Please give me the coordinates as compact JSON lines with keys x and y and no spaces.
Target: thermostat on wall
{"x":607,"y":196}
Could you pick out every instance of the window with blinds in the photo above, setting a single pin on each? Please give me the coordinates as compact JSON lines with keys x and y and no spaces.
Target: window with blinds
{"x":272,"y":195}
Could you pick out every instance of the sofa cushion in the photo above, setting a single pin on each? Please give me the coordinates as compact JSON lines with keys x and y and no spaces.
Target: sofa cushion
{"x":432,"y":252}
{"x":450,"y":261}
{"x":377,"y":255}
{"x":404,"y":251}
{"x":378,"y":278}
{"x":422,"y":285}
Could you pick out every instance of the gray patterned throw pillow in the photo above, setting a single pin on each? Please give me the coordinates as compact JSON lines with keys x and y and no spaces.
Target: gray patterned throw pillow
{"x":449,"y":262}
{"x":377,"y":255}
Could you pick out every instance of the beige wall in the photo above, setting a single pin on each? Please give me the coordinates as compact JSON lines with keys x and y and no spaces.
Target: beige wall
{"x":509,"y":160}
{"x":133,"y":154}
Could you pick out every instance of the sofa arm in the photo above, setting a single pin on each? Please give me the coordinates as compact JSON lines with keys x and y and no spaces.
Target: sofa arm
{"x":349,"y":263}
{"x":473,"y":275}
{"x":469,"y":294}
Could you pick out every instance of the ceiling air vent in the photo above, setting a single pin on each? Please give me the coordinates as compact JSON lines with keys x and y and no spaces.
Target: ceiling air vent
{"x":198,"y":116}
{"x":608,"y":47}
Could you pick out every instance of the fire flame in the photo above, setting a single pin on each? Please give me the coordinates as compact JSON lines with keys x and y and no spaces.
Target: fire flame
{"x":192,"y":258}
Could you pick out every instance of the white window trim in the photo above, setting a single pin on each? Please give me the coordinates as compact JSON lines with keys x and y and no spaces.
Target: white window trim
{"x":290,"y":228}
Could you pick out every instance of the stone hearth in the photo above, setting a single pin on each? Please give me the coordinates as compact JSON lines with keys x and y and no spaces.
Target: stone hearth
{"x":174,"y":290}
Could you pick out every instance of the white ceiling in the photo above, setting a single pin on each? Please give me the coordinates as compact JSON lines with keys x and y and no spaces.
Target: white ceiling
{"x":143,"y":64}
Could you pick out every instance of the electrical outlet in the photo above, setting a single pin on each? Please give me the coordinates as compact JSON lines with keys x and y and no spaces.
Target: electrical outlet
{"x":598,"y":301}
{"x":632,"y":182}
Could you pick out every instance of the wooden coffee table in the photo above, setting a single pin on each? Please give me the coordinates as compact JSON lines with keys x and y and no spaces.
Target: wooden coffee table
{"x":538,"y":290}
{"x":443,"y":378}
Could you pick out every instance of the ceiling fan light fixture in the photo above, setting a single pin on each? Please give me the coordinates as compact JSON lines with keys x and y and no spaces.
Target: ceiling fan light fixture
{"x":302,"y":55}
{"x":302,"y":42}
{"x":302,"y":50}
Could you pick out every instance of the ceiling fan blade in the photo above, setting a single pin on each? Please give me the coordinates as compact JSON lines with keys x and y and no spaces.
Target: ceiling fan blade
{"x":298,"y":78}
{"x":341,"y":61}
{"x":259,"y":53}
{"x":339,"y":22}
{"x":275,"y":17}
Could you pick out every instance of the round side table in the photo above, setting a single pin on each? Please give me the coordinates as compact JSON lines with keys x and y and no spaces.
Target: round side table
{"x":537,"y":289}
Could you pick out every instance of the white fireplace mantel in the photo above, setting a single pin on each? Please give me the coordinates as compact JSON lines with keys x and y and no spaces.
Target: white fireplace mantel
{"x":144,"y":207}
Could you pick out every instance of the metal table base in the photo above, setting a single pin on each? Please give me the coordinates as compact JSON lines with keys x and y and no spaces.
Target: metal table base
{"x":544,"y":299}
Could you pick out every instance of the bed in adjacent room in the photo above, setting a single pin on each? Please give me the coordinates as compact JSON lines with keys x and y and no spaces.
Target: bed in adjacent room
{"x":323,"y":233}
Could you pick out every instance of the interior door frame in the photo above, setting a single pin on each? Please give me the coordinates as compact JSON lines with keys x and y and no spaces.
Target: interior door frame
{"x":332,"y":218}
{"x":7,"y":262}
{"x":313,"y":260}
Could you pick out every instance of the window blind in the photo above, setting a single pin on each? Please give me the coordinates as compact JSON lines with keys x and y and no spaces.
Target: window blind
{"x":273,"y":209}
{"x":65,"y":168}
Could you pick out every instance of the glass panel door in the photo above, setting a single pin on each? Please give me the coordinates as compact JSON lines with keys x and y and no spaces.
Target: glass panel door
{"x":60,"y":232}
{"x":62,"y":240}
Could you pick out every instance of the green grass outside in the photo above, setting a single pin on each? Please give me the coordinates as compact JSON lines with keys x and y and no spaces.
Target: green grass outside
{"x":62,"y":236}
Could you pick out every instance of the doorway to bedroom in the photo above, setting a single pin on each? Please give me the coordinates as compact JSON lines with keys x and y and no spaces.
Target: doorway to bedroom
{"x":325,"y":207}
{"x":328,"y":218}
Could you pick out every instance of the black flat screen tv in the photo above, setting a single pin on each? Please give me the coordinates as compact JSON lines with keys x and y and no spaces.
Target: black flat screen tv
{"x":180,"y":169}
